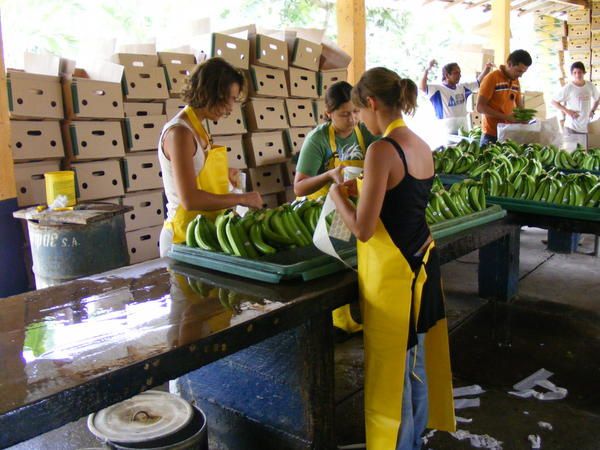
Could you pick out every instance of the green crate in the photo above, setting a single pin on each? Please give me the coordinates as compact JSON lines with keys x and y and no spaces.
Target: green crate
{"x":547,"y":209}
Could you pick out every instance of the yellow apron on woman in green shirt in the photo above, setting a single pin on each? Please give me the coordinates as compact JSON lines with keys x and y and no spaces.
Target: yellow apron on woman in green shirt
{"x":212,"y":178}
{"x":386,"y":292}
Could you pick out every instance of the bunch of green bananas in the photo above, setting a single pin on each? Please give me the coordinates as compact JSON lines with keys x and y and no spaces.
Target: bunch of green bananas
{"x":524,"y":114}
{"x":460,"y":200}
{"x":261,"y":232}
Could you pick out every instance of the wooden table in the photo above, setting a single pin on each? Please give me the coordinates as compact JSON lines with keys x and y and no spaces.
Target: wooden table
{"x":107,"y":338}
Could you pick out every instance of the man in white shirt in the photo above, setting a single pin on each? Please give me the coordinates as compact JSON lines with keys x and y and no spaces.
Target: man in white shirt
{"x":449,"y":99}
{"x":578,"y":100}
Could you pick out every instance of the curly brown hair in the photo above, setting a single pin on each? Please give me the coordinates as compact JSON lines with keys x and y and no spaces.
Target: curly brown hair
{"x":386,"y":86}
{"x":208,"y":86}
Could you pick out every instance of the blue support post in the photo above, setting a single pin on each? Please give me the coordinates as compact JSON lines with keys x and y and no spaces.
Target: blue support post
{"x":562,"y":241}
{"x":499,"y":267}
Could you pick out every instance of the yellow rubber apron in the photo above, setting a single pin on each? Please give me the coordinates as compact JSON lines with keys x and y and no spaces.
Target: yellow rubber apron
{"x":213,"y":178}
{"x":385,"y":282}
{"x":342,"y":318}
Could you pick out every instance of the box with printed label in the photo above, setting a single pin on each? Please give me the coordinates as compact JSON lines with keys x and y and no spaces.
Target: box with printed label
{"x":87,"y":140}
{"x":33,"y":96}
{"x":265,"y":148}
{"x":268,"y":51}
{"x":92,"y":99}
{"x":143,"y":132}
{"x":267,"y":179}
{"x":304,"y":54}
{"x":579,"y":45}
{"x":580,"y":16}
{"x":234,"y":50}
{"x":134,"y":109}
{"x":148,"y":209}
{"x":166,"y":58}
{"x":172,"y":107}
{"x":236,"y":156}
{"x":579,"y":31}
{"x":31,"y":140}
{"x":265,"y":114}
{"x":289,"y":173}
{"x":231,"y":124}
{"x":319,"y":108}
{"x":267,"y":82}
{"x":295,"y":138}
{"x":144,"y":83}
{"x":143,"y":244}
{"x":31,"y":185}
{"x":302,"y":83}
{"x":177,"y":75}
{"x":300,"y":112}
{"x":141,"y":171}
{"x":328,"y":77}
{"x":98,"y":179}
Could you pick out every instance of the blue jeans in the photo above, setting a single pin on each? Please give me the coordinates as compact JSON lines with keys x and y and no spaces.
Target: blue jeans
{"x":415,"y":410}
{"x":487,"y":139}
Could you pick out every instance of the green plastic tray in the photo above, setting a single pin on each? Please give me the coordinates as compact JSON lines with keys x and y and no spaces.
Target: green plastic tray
{"x":449,"y":179}
{"x":309,"y":262}
{"x":547,"y":209}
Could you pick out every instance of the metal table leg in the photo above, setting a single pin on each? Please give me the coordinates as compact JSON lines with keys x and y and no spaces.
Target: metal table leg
{"x":499,"y":267}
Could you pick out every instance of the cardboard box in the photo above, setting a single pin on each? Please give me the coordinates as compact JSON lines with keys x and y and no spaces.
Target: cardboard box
{"x":578,"y":45}
{"x":579,"y":31}
{"x":148,"y":209}
{"x":300,"y":112}
{"x":295,"y":138}
{"x":91,"y":99}
{"x":533,"y":99}
{"x":595,"y":42}
{"x":137,"y":60}
{"x":133,"y":109}
{"x":33,"y":96}
{"x":302,"y":83}
{"x":474,"y":120}
{"x":579,"y":16}
{"x":89,"y":140}
{"x":31,"y":185}
{"x":177,"y":75}
{"x":143,"y":244}
{"x":270,"y":201}
{"x":144,"y":83}
{"x":595,"y":73}
{"x":267,"y":82}
{"x":232,"y":124}
{"x":143,"y":132}
{"x":595,"y":7}
{"x":166,"y":58}
{"x":319,"y":107}
{"x":236,"y":155}
{"x":328,"y":77}
{"x":596,"y":56}
{"x":98,"y":179}
{"x":141,"y":171}
{"x":287,"y":196}
{"x":265,"y":148}
{"x":333,"y":57}
{"x":232,"y":49}
{"x":595,"y":24}
{"x":172,"y":107}
{"x":31,"y":140}
{"x":267,"y":179}
{"x":265,"y":114}
{"x":289,"y":173}
{"x":268,"y":51}
{"x":584,"y":57}
{"x":304,"y":54}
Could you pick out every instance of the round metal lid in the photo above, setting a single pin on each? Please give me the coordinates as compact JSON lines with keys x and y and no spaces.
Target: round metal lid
{"x":147,"y":416}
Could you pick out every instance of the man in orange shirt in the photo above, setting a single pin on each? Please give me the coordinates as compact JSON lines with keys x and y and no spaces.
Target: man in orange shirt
{"x":500,"y":94}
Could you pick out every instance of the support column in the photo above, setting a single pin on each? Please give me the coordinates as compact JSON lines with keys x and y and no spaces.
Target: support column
{"x":351,"y":22}
{"x":13,"y":278}
{"x":500,"y":30}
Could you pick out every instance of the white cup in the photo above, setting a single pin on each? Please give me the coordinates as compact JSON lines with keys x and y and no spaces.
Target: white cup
{"x":352,"y":172}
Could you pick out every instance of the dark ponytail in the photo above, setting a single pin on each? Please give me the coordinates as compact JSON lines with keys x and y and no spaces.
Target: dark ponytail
{"x":386,"y":86}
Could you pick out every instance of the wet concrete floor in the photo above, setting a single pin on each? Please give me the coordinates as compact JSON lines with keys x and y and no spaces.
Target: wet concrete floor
{"x":553,"y":324}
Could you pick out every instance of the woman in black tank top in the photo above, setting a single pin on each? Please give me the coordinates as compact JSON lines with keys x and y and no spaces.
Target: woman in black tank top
{"x":398,"y":270}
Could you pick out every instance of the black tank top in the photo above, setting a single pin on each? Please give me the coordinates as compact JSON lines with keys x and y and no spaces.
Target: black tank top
{"x":403,"y":212}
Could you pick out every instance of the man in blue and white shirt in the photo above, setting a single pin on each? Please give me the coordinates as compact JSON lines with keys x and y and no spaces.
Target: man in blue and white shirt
{"x":449,"y":99}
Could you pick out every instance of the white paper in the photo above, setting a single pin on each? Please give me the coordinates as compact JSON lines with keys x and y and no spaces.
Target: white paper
{"x":478,"y":441}
{"x":545,"y":425}
{"x":555,"y":392}
{"x":474,"y":389}
{"x":43,"y":64}
{"x":530,"y":381}
{"x":103,"y":70}
{"x":463,"y":420}
{"x":536,"y":441}
{"x":148,"y":48}
{"x":428,"y":436}
{"x":462,"y":403}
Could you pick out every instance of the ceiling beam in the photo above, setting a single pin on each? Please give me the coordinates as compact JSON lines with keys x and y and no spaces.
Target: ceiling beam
{"x":477,"y":3}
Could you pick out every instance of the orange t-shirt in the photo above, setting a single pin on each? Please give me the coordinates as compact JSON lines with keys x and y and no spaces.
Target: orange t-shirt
{"x":504,"y":95}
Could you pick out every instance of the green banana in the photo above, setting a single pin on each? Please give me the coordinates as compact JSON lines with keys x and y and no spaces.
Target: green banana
{"x":221,"y":225}
{"x":258,"y":241}
{"x":190,"y":239}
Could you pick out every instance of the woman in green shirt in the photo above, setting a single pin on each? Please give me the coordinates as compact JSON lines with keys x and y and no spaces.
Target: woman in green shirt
{"x":341,"y":141}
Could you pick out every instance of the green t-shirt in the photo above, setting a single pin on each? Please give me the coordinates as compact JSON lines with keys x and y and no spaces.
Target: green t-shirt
{"x":316,"y":152}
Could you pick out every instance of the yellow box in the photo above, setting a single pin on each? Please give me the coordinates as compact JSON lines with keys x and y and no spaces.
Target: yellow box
{"x":58,"y":183}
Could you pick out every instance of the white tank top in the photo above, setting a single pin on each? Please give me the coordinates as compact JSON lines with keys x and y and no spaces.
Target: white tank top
{"x":166,"y":167}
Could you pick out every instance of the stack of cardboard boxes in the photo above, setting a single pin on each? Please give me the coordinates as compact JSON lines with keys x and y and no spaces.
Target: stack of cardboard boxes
{"x":579,"y":41}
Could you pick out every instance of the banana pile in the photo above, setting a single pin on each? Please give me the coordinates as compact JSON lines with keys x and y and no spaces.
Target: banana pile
{"x":474,"y":133}
{"x":260,"y":232}
{"x":229,"y":299}
{"x":466,"y":197}
{"x":469,"y":159}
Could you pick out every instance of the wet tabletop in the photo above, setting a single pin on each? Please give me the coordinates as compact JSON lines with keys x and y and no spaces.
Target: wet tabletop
{"x":57,"y":338}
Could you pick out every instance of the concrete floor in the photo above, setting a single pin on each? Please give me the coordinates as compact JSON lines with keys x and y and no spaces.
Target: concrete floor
{"x":553,"y":324}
